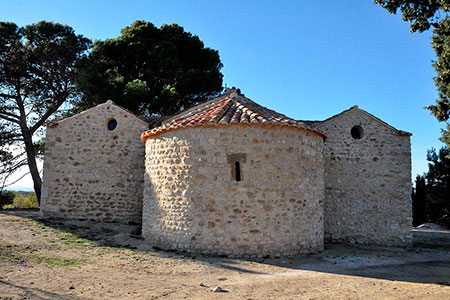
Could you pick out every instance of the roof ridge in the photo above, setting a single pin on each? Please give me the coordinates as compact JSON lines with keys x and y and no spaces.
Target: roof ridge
{"x":195,"y":107}
{"x":230,"y":103}
{"x":228,"y":109}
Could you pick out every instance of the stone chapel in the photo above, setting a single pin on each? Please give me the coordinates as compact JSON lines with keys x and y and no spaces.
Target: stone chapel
{"x":231,"y":177}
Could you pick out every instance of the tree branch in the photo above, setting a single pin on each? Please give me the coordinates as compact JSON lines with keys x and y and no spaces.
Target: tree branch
{"x":7,"y":96}
{"x":11,"y":183}
{"x":49,"y":112}
{"x":9,"y":119}
{"x":10,"y":115}
{"x":16,"y":167}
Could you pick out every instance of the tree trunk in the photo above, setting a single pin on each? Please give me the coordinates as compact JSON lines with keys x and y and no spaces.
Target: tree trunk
{"x":27,"y":135}
{"x":31,"y":158}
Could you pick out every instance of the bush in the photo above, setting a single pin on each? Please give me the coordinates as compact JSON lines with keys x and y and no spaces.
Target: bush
{"x":21,"y":202}
{"x":6,"y":198}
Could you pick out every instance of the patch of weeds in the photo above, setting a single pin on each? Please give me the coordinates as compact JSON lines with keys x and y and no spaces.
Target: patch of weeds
{"x":11,"y":258}
{"x":107,"y":231}
{"x":107,"y":249}
{"x":57,"y":261}
{"x":69,"y":238}
{"x":60,"y":232}
{"x":10,"y":253}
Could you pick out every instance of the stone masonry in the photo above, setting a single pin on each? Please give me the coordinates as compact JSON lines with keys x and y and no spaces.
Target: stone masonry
{"x":193,"y":202}
{"x":231,"y":177}
{"x":91,"y":172}
{"x":367,"y":180}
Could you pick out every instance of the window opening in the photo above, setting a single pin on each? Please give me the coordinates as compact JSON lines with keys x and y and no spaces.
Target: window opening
{"x":235,"y":160}
{"x":237,"y":169}
{"x":357,"y":132}
{"x":112,"y":124}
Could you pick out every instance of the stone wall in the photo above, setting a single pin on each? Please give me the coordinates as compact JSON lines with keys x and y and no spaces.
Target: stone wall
{"x":367,"y":181}
{"x":193,"y":202}
{"x":91,"y":172}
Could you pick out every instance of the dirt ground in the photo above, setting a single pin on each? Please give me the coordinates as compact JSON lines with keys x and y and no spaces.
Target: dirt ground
{"x":58,"y":259}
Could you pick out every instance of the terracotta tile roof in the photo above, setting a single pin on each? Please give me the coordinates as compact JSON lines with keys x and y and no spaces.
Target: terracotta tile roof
{"x":227,"y":109}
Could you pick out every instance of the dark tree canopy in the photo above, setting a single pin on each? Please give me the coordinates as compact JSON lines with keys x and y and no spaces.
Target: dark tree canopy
{"x":419,"y":201}
{"x":423,"y":15}
{"x":441,"y":45}
{"x":37,"y":71}
{"x":431,"y":201}
{"x":438,"y":186}
{"x":150,"y":70}
{"x":6,"y":197}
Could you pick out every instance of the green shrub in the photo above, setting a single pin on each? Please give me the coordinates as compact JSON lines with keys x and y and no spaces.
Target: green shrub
{"x":21,"y":202}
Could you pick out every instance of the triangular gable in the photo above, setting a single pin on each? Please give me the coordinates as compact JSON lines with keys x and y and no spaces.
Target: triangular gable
{"x":318,"y":124}
{"x":88,"y":111}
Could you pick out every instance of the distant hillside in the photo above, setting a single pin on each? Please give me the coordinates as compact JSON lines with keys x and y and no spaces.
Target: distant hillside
{"x":25,"y":194}
{"x":20,"y":188}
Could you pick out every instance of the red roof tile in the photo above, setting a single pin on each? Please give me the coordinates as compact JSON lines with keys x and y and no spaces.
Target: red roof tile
{"x":225,"y":110}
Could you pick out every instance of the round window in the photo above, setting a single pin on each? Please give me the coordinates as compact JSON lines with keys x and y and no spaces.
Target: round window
{"x":357,"y":132}
{"x":112,"y":124}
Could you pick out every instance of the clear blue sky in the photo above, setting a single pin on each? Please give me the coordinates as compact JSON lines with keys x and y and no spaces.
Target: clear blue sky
{"x":306,"y":59}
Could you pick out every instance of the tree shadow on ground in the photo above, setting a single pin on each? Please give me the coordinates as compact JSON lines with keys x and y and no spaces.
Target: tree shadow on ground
{"x":427,"y":262}
{"x":36,"y":293}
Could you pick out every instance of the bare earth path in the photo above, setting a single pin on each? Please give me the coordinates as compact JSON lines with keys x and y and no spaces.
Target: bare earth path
{"x":85,"y":260}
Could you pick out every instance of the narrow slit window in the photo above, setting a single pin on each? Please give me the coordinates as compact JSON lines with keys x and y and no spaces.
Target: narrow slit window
{"x":237,"y":169}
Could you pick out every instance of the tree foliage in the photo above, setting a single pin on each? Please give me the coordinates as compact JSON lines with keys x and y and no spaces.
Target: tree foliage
{"x":419,"y":201}
{"x":423,"y":15}
{"x":6,"y":198}
{"x":150,"y":70}
{"x":37,"y":71}
{"x":431,"y":201}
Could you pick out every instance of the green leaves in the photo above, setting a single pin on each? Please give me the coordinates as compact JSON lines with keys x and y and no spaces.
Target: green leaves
{"x":150,"y":70}
{"x":136,"y":87}
{"x":38,"y":65}
{"x":422,"y":14}
{"x":441,"y":45}
{"x":446,"y":136}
